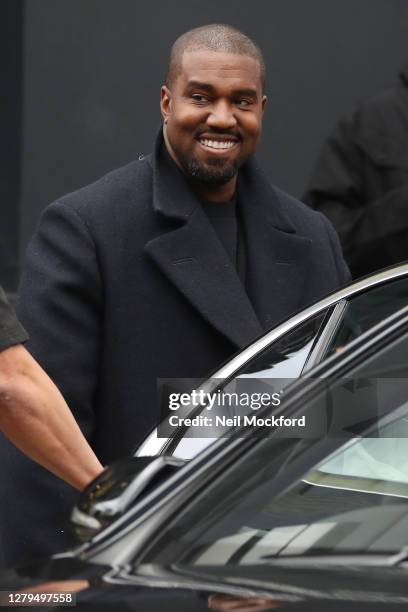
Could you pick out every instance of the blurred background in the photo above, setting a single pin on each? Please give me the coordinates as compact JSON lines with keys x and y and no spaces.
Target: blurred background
{"x":81,"y":81}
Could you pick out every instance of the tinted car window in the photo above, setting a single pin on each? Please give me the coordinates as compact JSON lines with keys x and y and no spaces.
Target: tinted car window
{"x":377,"y":464}
{"x":260,"y":509}
{"x":270,"y":371}
{"x":286,"y":357}
{"x":366,"y":310}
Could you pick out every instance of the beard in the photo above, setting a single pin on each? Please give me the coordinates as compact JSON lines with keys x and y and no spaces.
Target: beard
{"x":215,"y":173}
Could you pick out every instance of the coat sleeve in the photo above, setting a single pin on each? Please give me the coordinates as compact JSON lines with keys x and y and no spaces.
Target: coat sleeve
{"x":371,"y":231}
{"x":60,"y":305}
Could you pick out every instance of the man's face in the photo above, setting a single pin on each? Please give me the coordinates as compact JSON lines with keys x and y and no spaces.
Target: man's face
{"x":213,"y":115}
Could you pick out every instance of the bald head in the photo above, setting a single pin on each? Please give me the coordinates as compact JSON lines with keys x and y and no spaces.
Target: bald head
{"x":213,"y":37}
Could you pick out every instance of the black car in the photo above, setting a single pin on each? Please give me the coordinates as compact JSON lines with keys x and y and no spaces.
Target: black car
{"x":271,"y":520}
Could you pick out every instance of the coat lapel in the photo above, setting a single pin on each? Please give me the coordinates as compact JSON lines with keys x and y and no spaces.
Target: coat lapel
{"x":277,"y":257}
{"x":192,"y":258}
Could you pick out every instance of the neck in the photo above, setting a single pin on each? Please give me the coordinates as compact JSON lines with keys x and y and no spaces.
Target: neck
{"x":221,"y":193}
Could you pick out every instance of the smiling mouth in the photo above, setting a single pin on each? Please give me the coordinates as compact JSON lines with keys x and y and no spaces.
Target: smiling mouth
{"x":218,"y":145}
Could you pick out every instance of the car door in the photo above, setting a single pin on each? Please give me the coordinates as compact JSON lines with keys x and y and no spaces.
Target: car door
{"x":292,"y":349}
{"x":300,"y":497}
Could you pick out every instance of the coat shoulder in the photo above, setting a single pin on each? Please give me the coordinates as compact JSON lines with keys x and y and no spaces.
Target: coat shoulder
{"x":304,"y":219}
{"x":120,"y":187}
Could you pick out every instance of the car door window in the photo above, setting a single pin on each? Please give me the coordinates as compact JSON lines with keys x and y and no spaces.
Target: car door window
{"x":268,"y":372}
{"x":286,"y":356}
{"x":366,"y":310}
{"x":270,"y":503}
{"x":373,"y":464}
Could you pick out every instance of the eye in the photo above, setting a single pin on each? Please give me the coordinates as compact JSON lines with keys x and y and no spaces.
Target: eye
{"x":200,"y":98}
{"x":243,"y":102}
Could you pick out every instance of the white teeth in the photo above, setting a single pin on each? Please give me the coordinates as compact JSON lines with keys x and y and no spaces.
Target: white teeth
{"x":217,"y":144}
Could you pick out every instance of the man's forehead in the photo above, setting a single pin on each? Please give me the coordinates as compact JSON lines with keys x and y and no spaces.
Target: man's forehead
{"x":204,"y":65}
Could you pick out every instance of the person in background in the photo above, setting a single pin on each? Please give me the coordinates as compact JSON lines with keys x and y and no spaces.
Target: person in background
{"x":360,"y":181}
{"x":33,"y":413}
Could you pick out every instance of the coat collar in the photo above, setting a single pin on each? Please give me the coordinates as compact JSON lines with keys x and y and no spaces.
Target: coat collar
{"x":172,"y":197}
{"x":192,"y":258}
{"x":179,"y":202}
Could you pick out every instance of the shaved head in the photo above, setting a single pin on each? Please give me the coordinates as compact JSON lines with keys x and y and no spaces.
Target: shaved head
{"x":213,"y":37}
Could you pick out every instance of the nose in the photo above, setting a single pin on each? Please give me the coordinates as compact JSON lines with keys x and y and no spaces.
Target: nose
{"x":222,"y":116}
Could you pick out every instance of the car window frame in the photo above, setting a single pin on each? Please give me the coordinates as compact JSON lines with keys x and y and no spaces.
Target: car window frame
{"x":153,"y":445}
{"x":329,"y":330}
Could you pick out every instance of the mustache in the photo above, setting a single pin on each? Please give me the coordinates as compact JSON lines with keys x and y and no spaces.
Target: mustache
{"x":215,"y":132}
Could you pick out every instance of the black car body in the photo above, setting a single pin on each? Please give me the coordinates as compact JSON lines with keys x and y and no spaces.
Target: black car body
{"x":269,"y":521}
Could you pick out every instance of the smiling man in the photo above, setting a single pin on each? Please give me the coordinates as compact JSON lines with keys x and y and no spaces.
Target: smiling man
{"x":164,"y":268}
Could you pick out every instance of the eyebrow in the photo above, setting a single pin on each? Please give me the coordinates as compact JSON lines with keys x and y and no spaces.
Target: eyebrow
{"x":207,"y":87}
{"x":200,"y":85}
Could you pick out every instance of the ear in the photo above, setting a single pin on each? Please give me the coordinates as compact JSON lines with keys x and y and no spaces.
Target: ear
{"x":165,"y":102}
{"x":263,"y":103}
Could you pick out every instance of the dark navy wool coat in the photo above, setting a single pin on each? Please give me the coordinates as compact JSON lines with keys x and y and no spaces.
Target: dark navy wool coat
{"x":125,"y":282}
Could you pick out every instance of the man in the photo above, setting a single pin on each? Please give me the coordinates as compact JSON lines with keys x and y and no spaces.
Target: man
{"x":361,"y":181}
{"x":33,"y":413}
{"x":166,"y":267}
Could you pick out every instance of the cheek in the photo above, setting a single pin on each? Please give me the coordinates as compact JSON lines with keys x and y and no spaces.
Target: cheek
{"x":188,"y":119}
{"x":252,"y":132}
{"x":253,"y":127}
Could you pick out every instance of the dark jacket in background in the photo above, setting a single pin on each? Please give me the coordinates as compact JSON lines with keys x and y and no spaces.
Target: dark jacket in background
{"x":11,"y":332}
{"x":126,"y":281}
{"x":360,"y":181}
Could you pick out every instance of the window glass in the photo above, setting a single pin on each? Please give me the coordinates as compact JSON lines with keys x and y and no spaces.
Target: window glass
{"x":284,"y":360}
{"x":268,"y":372}
{"x":286,"y":357}
{"x":376,"y":464}
{"x":313,"y":496}
{"x":366,"y":310}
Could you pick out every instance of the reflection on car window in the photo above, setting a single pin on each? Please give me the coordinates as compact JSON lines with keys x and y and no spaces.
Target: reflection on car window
{"x":366,"y":310}
{"x":313,"y":496}
{"x":375,"y":464}
{"x":277,"y":365}
{"x":286,"y":357}
{"x":284,"y":360}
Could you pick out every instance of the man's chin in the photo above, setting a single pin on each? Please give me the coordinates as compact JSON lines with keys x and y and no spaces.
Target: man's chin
{"x":216,"y":173}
